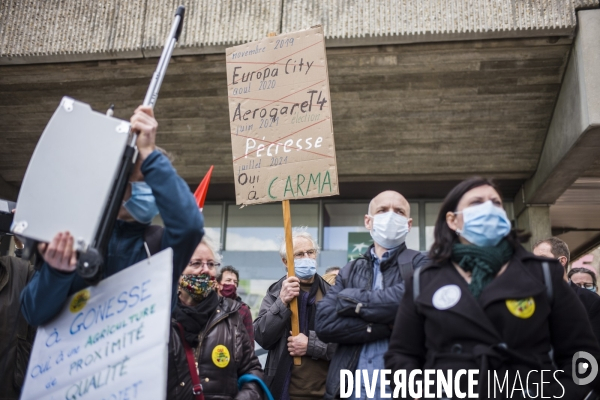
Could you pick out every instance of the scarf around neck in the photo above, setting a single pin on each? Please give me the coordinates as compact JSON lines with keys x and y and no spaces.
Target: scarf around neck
{"x":194,"y":318}
{"x":483,"y":262}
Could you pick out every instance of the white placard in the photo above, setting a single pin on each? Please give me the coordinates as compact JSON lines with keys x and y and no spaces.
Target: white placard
{"x":109,"y":341}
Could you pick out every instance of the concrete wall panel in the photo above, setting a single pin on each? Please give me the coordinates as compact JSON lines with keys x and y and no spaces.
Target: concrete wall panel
{"x":73,"y":30}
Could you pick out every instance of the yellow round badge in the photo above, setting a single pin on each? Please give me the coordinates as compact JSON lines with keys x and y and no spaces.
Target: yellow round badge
{"x":522,"y":308}
{"x":220,"y":356}
{"x":79,"y":300}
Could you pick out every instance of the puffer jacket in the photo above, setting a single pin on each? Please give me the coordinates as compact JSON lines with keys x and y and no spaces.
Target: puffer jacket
{"x":352,"y":314}
{"x":219,"y":382}
{"x":273,"y":325}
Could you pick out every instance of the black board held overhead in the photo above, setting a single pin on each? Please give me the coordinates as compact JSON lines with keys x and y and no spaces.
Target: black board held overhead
{"x":79,"y":171}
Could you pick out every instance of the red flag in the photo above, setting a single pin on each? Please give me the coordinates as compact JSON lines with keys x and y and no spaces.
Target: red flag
{"x":200,"y":193}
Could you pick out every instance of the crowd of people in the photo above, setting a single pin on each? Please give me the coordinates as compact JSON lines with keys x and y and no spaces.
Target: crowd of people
{"x":476,"y":301}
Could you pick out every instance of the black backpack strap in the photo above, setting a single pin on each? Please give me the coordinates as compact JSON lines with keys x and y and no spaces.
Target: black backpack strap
{"x":416,"y":283}
{"x":406,"y":271}
{"x":153,"y":238}
{"x":405,"y":262}
{"x":548,"y":281}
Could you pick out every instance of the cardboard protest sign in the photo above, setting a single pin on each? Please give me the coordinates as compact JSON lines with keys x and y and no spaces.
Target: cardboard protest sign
{"x":280,"y":118}
{"x":109,"y":341}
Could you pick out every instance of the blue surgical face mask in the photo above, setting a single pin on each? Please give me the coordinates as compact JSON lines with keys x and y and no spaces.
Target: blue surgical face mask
{"x":389,"y":229}
{"x":591,"y":289}
{"x":484,"y":224}
{"x":305,"y":268}
{"x":142,"y":204}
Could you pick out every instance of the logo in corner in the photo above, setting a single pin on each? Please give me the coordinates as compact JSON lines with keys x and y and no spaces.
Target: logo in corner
{"x":583,"y":367}
{"x":79,"y":300}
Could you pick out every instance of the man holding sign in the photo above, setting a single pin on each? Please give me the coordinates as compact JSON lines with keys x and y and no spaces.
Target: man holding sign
{"x":283,"y":149}
{"x":272,"y":327}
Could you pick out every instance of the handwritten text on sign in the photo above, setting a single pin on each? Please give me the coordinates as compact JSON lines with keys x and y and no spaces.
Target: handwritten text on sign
{"x":110,"y":340}
{"x":280,"y":117}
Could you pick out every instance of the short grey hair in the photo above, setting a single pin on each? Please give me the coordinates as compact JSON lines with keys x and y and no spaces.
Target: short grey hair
{"x":208,"y":242}
{"x":301,"y":232}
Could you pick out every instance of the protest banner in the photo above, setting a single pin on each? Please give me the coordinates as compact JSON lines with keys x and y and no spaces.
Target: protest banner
{"x":280,"y":117}
{"x":281,"y":128}
{"x":110,"y":341}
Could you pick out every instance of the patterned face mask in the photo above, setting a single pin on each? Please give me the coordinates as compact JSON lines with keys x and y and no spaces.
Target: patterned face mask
{"x":197,"y":286}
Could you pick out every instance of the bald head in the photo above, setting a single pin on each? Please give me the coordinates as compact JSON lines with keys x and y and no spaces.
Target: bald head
{"x":389,"y":201}
{"x":385,"y":202}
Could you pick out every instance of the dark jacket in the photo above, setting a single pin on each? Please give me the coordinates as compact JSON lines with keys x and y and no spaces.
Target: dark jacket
{"x":591,"y":303}
{"x":485,"y":334}
{"x":16,"y":336}
{"x":273,"y":325}
{"x":45,"y":295}
{"x":247,"y":319}
{"x":340,"y":320}
{"x":224,"y":327}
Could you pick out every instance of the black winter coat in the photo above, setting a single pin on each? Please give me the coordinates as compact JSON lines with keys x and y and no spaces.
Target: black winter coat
{"x":491,"y":333}
{"x":591,"y":303}
{"x":224,"y":327}
{"x":341,"y":320}
{"x":16,"y":336}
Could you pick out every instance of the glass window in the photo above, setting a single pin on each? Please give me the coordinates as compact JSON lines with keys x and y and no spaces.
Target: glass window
{"x":412,"y":239}
{"x":341,"y":219}
{"x":212,"y":222}
{"x":260,"y":227}
{"x":431,"y":214}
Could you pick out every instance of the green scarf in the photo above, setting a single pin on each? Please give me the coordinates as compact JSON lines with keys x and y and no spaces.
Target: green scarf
{"x":483,"y":262}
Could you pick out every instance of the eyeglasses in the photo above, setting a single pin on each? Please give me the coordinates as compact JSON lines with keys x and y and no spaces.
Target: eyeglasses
{"x":311,"y":253}
{"x":586,"y":285}
{"x":199,"y":264}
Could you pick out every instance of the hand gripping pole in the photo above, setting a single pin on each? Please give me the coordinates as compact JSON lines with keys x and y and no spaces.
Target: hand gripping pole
{"x":90,"y":262}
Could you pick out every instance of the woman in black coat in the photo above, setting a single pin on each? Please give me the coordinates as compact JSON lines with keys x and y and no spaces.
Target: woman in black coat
{"x":486,"y":304}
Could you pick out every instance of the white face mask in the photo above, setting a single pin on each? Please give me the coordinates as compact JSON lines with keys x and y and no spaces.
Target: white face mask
{"x":389,"y":229}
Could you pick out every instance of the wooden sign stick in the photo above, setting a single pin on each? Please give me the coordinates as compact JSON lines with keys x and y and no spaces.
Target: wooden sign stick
{"x":289,"y":250}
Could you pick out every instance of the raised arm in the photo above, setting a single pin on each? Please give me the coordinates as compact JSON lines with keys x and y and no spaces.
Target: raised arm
{"x":48,"y":289}
{"x":45,"y":294}
{"x":183,"y":221}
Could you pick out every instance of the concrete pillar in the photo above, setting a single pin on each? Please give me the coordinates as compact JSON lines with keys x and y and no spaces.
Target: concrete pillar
{"x":535,"y":220}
